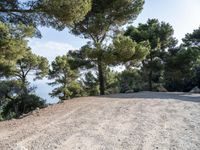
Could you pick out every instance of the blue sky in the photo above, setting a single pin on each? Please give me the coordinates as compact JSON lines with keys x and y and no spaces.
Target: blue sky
{"x":183,"y":15}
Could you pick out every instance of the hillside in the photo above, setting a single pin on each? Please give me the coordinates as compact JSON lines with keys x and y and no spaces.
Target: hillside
{"x":139,"y":121}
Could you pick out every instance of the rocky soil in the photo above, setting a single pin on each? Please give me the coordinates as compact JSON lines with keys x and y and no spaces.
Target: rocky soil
{"x":139,"y":121}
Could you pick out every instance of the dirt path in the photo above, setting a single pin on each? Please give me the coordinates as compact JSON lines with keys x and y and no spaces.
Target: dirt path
{"x":140,"y":121}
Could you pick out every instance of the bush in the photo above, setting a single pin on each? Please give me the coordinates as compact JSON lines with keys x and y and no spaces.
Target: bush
{"x":22,"y":105}
{"x":111,"y":82}
{"x":90,"y":84}
{"x":130,"y":80}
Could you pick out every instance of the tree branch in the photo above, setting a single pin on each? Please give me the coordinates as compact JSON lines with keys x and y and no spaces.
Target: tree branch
{"x":17,"y":10}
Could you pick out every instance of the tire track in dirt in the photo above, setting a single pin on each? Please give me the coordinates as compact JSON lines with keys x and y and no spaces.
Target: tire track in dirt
{"x":19,"y":140}
{"x":63,"y":124}
{"x":40,"y":132}
{"x":148,"y":121}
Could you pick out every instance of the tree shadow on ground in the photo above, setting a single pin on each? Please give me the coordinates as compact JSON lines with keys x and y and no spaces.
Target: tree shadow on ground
{"x":158,"y":95}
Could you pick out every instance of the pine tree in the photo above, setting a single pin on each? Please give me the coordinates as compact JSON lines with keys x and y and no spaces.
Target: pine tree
{"x":104,"y":18}
{"x":160,"y":37}
{"x":65,"y":78}
{"x":55,"y":13}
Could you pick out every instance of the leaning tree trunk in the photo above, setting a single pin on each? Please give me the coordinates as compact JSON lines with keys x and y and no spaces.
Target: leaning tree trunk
{"x":101,"y":78}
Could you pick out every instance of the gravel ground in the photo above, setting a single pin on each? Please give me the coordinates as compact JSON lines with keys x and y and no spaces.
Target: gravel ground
{"x":139,"y":121}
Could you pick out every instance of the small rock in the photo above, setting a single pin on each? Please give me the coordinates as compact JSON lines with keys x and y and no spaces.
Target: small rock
{"x":195,"y":90}
{"x":129,"y":91}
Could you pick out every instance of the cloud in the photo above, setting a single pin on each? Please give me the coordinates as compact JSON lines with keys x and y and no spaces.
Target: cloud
{"x":50,"y":49}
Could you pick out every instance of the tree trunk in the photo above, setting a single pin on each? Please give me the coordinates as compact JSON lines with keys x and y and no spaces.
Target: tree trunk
{"x":150,"y":73}
{"x":150,"y":80}
{"x":101,"y":78}
{"x":16,"y":109}
{"x":24,"y":86}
